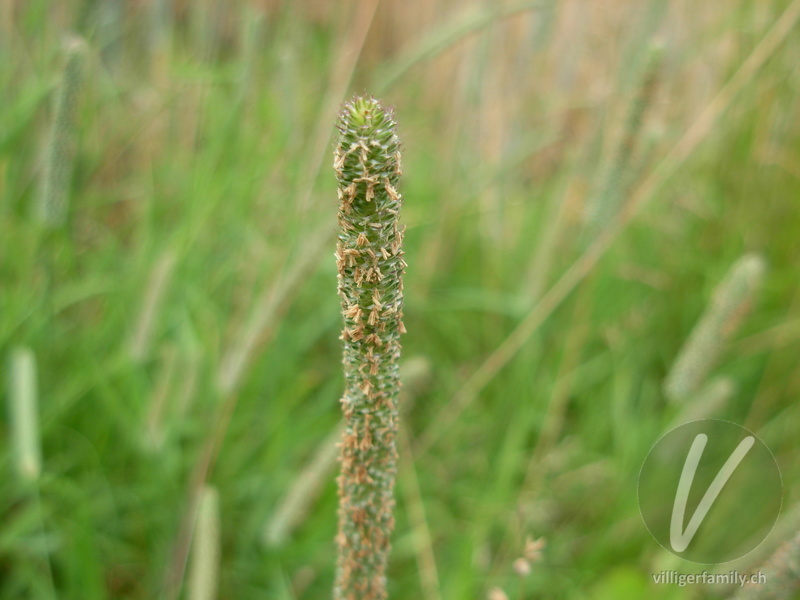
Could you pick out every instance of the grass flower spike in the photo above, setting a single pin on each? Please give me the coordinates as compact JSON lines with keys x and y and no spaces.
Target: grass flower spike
{"x":24,"y":412}
{"x":782,"y":574}
{"x":729,"y":304}
{"x":54,"y":197}
{"x":369,"y":257}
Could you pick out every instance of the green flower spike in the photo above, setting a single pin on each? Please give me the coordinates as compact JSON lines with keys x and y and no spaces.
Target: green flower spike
{"x":369,"y":257}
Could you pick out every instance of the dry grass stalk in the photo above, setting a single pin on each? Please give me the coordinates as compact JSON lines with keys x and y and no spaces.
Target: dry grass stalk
{"x":204,"y":574}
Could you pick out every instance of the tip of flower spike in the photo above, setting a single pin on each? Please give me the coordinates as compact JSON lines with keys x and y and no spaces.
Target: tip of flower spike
{"x":365,"y":111}
{"x":361,"y":109}
{"x":74,"y":44}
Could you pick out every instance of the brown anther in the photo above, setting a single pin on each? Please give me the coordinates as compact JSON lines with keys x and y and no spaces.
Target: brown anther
{"x":350,"y":255}
{"x":358,"y":276}
{"x":391,"y":191}
{"x":366,"y":442}
{"x":362,"y":476}
{"x":364,"y":151}
{"x":353,"y":312}
{"x":341,"y":540}
{"x":358,"y":514}
{"x":338,"y":160}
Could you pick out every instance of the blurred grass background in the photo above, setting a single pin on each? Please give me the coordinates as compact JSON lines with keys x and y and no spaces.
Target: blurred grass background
{"x":184,"y":321}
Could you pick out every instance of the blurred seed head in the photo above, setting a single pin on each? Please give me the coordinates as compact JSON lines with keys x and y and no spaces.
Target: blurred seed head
{"x":24,"y":411}
{"x":497,"y":593}
{"x":522,"y":567}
